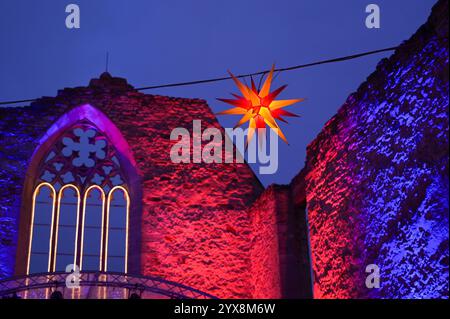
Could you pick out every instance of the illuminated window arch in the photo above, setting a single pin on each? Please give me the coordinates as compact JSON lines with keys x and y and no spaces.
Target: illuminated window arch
{"x":80,"y":182}
{"x":92,"y":229}
{"x":66,"y":227}
{"x":41,"y":230}
{"x":117,"y":230}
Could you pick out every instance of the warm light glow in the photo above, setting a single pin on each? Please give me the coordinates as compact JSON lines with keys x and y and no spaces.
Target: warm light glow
{"x":82,"y":223}
{"x":259,"y":108}
{"x":57,"y":223}
{"x":126,"y":226}
{"x":57,"y":198}
{"x":36,"y":191}
{"x":25,"y":293}
{"x":101,"y":291}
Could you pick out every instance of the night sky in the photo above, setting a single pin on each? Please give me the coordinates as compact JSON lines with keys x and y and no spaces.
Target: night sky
{"x":157,"y":42}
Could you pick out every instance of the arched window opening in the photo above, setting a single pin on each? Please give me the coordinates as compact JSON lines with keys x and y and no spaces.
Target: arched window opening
{"x":92,"y":229}
{"x":41,"y":230}
{"x":66,"y":227}
{"x":77,"y":201}
{"x":117,"y":230}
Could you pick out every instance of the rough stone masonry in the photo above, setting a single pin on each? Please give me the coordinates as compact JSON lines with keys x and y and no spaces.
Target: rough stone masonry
{"x":374,"y":189}
{"x":376,"y":179}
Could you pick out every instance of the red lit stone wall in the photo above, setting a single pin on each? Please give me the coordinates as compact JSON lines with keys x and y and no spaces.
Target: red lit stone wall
{"x":194,"y":224}
{"x":376,"y":178}
{"x":265,"y":261}
{"x":280,"y":263}
{"x":375,"y":188}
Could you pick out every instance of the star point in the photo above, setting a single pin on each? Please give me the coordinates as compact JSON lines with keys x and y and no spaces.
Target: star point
{"x":259,"y":108}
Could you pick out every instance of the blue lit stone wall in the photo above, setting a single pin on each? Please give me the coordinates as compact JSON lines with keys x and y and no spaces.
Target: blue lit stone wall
{"x":7,"y":247}
{"x":20,"y":130}
{"x":377,"y":187}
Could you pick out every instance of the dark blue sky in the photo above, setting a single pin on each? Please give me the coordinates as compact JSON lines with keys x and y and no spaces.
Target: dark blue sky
{"x":155,"y":42}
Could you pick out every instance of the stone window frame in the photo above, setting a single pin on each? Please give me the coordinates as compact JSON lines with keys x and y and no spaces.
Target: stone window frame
{"x":83,"y":113}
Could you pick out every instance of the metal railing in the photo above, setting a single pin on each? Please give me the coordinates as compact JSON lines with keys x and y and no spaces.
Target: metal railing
{"x":39,"y":286}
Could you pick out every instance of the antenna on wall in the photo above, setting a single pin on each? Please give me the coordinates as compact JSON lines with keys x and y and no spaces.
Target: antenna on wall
{"x":107,"y":61}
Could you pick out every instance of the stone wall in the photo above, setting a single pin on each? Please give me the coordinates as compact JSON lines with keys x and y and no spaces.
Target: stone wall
{"x":194,"y":225}
{"x":265,"y":259}
{"x":279,"y":252}
{"x":376,"y":178}
{"x":375,"y":188}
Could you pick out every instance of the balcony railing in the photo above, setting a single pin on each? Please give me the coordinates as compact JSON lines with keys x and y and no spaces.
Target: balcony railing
{"x":96,"y":285}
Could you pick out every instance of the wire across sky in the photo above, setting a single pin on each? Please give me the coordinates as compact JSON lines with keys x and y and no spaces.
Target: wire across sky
{"x":262,"y":73}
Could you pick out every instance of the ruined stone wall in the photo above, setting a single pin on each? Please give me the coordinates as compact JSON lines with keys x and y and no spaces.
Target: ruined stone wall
{"x":194,"y":224}
{"x":375,"y":188}
{"x":280,"y":264}
{"x":265,"y":259}
{"x":376,"y":178}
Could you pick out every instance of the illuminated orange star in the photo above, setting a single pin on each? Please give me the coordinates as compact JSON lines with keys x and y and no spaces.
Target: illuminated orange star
{"x":259,"y":108}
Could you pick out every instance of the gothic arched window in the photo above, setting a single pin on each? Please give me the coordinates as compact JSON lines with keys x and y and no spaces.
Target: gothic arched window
{"x":80,"y":205}
{"x":42,"y":216}
{"x":68,"y":212}
{"x":117,"y":230}
{"x":92,"y":229}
